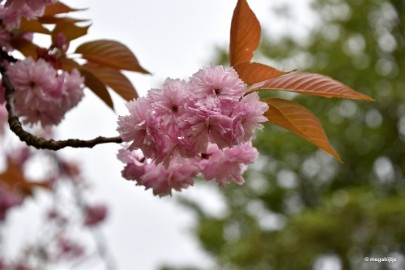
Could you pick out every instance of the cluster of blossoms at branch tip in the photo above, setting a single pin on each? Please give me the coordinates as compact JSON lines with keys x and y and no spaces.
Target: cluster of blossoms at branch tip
{"x":12,"y":11}
{"x":43,"y":94}
{"x":204,"y":125}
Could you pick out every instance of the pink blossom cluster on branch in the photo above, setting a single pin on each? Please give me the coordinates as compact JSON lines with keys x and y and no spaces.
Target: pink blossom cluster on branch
{"x":204,"y":125}
{"x":201,"y":126}
{"x":13,"y":11}
{"x":42,"y":94}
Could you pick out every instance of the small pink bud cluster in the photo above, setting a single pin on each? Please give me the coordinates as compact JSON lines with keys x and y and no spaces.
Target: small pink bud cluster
{"x":12,"y":11}
{"x":41,"y":93}
{"x":8,"y":199}
{"x":95,"y":214}
{"x":204,"y":125}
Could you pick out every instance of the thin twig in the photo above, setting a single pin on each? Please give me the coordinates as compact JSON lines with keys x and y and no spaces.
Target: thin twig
{"x":29,"y":138}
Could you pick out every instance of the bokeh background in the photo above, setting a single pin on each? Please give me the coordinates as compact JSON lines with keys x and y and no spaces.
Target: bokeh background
{"x":299,"y":208}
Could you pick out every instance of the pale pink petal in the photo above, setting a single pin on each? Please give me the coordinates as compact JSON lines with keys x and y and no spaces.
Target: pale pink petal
{"x":219,"y":81}
{"x":227,"y":165}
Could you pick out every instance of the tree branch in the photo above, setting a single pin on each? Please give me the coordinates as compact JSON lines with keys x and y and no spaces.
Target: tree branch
{"x":30,"y":139}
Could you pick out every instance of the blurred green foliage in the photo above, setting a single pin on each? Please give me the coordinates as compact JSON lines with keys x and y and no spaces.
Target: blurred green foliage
{"x":299,"y":208}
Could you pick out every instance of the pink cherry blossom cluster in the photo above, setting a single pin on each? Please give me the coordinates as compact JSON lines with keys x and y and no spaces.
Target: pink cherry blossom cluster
{"x":12,"y":11}
{"x":43,"y":94}
{"x":204,"y":125}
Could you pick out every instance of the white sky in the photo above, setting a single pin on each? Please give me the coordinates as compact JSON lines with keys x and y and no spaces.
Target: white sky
{"x":171,"y":39}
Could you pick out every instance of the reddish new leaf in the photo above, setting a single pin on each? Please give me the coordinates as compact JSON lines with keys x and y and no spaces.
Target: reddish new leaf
{"x":245,"y":34}
{"x":70,"y":30}
{"x":56,"y":20}
{"x":310,"y":84}
{"x":98,"y":87}
{"x":27,"y":48}
{"x":58,"y":8}
{"x":33,"y":26}
{"x":296,"y":118}
{"x":68,"y":64}
{"x":14,"y":178}
{"x":114,"y":79}
{"x":255,"y":72}
{"x":111,"y":54}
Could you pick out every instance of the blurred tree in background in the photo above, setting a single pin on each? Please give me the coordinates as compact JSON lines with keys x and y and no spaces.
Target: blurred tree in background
{"x":301,"y":209}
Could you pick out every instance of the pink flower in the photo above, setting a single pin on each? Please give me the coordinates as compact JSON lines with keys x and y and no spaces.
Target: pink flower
{"x":228,"y":164}
{"x":168,"y":102}
{"x":168,"y":106}
{"x":218,"y":81}
{"x":71,"y":88}
{"x":206,"y":123}
{"x":134,"y":161}
{"x":40,"y":94}
{"x":32,"y":80}
{"x":178,"y":175}
{"x":141,"y":128}
{"x":57,"y":217}
{"x":21,"y":155}
{"x":95,"y":214}
{"x":8,"y":200}
{"x":14,"y":10}
{"x":2,"y":93}
{"x":5,"y":38}
{"x":69,"y":249}
{"x":249,"y":114}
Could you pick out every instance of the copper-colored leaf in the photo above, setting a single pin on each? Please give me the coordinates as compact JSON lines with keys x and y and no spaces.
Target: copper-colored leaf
{"x":114,"y":79}
{"x":56,"y":20}
{"x":296,"y":118}
{"x":255,"y":72}
{"x":70,"y":30}
{"x":245,"y":34}
{"x":310,"y":84}
{"x":32,"y":26}
{"x":26,"y":47}
{"x":111,"y":54}
{"x":58,"y":8}
{"x":15,"y":180}
{"x":97,"y":87}
{"x":68,"y":64}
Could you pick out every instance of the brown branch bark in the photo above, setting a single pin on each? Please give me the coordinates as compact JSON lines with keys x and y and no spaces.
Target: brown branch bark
{"x":30,"y":139}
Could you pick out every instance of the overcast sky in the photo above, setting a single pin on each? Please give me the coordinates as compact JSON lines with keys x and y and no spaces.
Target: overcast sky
{"x":171,"y":39}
